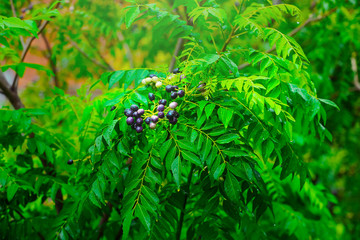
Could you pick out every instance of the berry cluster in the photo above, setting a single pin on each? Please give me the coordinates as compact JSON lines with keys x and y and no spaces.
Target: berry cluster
{"x":152,"y":79}
{"x":134,"y":117}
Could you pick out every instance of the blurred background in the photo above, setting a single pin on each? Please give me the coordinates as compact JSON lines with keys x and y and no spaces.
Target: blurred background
{"x":87,"y":40}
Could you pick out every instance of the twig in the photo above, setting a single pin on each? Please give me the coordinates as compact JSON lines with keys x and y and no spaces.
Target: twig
{"x":14,"y":14}
{"x":99,"y":53}
{"x":187,"y":194}
{"x":233,"y":30}
{"x":103,"y":221}
{"x":52,"y":63}
{"x":178,"y":47}
{"x":295,"y":31}
{"x":127,"y":49}
{"x":355,"y":70}
{"x":74,"y":44}
{"x":26,"y":49}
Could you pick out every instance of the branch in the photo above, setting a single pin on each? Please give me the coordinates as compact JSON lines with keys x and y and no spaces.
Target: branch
{"x":103,"y":221}
{"x":52,"y":63}
{"x":127,"y":49}
{"x":187,"y":194}
{"x":26,"y":49}
{"x":179,"y":45}
{"x":99,"y":53}
{"x":355,"y":70}
{"x":311,"y":19}
{"x":75,"y":45}
{"x":12,"y":96}
{"x":14,"y":14}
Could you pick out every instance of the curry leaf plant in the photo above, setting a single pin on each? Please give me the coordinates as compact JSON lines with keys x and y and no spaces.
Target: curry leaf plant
{"x":224,"y":164}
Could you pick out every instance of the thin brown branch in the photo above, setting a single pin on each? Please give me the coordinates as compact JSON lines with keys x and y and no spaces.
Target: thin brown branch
{"x":179,"y":45}
{"x":26,"y":49}
{"x":310,"y":20}
{"x":127,"y":49}
{"x":75,"y":45}
{"x":52,"y":63}
{"x":233,"y":30}
{"x":15,"y":15}
{"x":103,"y":221}
{"x":99,"y":53}
{"x":355,"y":71}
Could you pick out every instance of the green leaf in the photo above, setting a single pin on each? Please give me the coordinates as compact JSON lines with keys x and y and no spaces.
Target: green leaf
{"x":176,"y":170}
{"x":219,"y":170}
{"x":329,"y":102}
{"x":225,"y":116}
{"x":227,"y":138}
{"x":131,"y":15}
{"x":191,"y":157}
{"x":232,"y":187}
{"x":11,"y":191}
{"x":144,"y":216}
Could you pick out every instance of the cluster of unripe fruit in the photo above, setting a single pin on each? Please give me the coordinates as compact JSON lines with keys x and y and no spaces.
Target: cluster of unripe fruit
{"x":152,"y":79}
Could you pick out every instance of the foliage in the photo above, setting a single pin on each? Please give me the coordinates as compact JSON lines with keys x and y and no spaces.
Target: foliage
{"x":233,"y":167}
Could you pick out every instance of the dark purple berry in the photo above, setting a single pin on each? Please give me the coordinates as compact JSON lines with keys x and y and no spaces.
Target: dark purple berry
{"x":176,"y":114}
{"x":112,"y":108}
{"x":134,"y":108}
{"x":152,"y":75}
{"x":174,"y":95}
{"x":148,"y":120}
{"x":161,"y":108}
{"x":176,"y":70}
{"x":151,"y":96}
{"x":181,"y":93}
{"x":139,"y":121}
{"x":128,"y":113}
{"x":136,"y":114}
{"x":133,"y":126}
{"x":170,"y":114}
{"x":174,"y":88}
{"x":154,"y":118}
{"x":139,"y":129}
{"x":162,"y":102}
{"x":161,"y":114}
{"x":168,"y":88}
{"x":130,"y":120}
{"x":70,"y":161}
{"x":140,"y":111}
{"x":173,"y":120}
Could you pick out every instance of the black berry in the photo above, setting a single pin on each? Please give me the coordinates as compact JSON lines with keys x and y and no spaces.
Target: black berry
{"x":152,"y":75}
{"x":130,"y":120}
{"x":134,"y":108}
{"x":168,"y":88}
{"x":173,"y":120}
{"x":112,"y":108}
{"x":163,"y":102}
{"x":136,"y":114}
{"x":139,"y":129}
{"x":161,"y":114}
{"x":70,"y":161}
{"x":161,"y":108}
{"x":174,"y":95}
{"x":176,"y":114}
{"x":201,"y":87}
{"x":140,"y":111}
{"x":176,"y":70}
{"x":128,"y":113}
{"x":151,"y":96}
{"x":181,"y":93}
{"x":154,"y":118}
{"x":148,"y":120}
{"x":174,"y":88}
{"x":170,"y":114}
{"x":139,"y":121}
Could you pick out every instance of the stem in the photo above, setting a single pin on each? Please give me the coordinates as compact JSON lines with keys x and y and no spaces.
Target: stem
{"x":182,"y":214}
{"x":179,"y":45}
{"x":52,"y":63}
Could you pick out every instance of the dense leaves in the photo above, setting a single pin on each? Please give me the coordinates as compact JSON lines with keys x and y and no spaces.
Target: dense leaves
{"x":220,"y":151}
